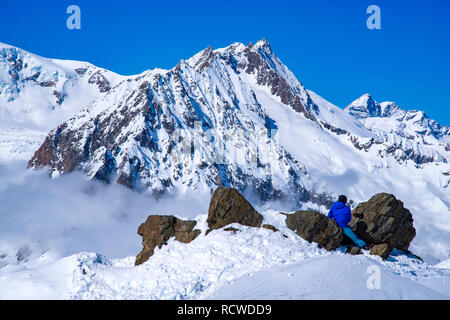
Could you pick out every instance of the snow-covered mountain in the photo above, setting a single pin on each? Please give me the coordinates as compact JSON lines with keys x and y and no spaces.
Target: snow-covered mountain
{"x":410,"y":134}
{"x":237,"y":117}
{"x":234,"y":116}
{"x":199,"y":125}
{"x":37,"y":94}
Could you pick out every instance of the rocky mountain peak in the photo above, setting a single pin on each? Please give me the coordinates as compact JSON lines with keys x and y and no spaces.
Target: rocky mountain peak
{"x":388,"y":116}
{"x":364,"y":106}
{"x":201,"y":60}
{"x":264,"y":45}
{"x":199,"y":125}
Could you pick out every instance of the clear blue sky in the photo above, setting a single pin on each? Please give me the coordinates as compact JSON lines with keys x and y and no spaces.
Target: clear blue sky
{"x":325,"y":43}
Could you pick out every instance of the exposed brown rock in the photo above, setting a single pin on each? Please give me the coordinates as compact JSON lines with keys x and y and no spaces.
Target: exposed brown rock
{"x":383,"y":250}
{"x":99,"y":79}
{"x":158,"y":229}
{"x":228,"y":206}
{"x":57,"y":151}
{"x":353,"y":250}
{"x":59,"y":97}
{"x":383,"y":219}
{"x":234,"y":230}
{"x":44,"y":155}
{"x":278,"y":85}
{"x":315,"y":227}
{"x":362,"y":146}
{"x":334,"y":129}
{"x":270,"y":227}
{"x":81,"y":71}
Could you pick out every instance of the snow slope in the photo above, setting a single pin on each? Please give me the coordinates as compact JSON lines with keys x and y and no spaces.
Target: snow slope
{"x":43,"y":244}
{"x":340,"y":277}
{"x":253,"y":263}
{"x":19,"y":142}
{"x":36,"y":94}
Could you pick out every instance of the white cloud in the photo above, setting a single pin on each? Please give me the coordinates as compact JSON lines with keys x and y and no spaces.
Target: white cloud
{"x":71,"y":213}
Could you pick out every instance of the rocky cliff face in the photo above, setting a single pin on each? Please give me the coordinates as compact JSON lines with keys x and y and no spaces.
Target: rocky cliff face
{"x":197,"y":125}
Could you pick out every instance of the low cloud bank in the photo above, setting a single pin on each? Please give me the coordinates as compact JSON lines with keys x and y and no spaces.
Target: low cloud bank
{"x":72,"y":213}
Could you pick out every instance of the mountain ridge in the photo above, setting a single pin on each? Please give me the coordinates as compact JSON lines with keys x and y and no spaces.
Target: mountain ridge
{"x":236,"y":91}
{"x":153,"y":117}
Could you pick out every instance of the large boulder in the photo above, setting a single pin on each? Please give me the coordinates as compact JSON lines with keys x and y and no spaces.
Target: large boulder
{"x":157,"y":229}
{"x":228,"y":206}
{"x":383,"y":220}
{"x":383,"y":250}
{"x":315,"y":227}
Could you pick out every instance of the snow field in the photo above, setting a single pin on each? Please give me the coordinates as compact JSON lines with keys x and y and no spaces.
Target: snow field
{"x":253,"y":263}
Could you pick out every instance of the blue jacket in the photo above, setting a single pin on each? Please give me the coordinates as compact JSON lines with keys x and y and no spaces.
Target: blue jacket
{"x":340,"y":213}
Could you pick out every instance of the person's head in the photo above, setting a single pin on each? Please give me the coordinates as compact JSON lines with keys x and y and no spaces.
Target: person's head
{"x":342,"y":199}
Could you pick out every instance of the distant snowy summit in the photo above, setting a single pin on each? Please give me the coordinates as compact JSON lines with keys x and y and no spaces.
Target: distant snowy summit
{"x":410,"y":133}
{"x":43,"y":92}
{"x":387,"y":116}
{"x":37,"y":94}
{"x":234,"y":117}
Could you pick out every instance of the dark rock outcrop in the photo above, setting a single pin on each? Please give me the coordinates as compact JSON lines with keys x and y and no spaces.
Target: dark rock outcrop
{"x":228,"y":206}
{"x":234,"y":230}
{"x":353,"y":250}
{"x":100,"y":80}
{"x":315,"y":227}
{"x":157,"y":230}
{"x":383,"y":220}
{"x":383,"y":250}
{"x":259,"y":64}
{"x":269,"y":227}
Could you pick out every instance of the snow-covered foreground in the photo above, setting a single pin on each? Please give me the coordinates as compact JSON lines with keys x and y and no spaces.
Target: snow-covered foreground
{"x":332,"y":277}
{"x":73,"y":238}
{"x":252,"y":263}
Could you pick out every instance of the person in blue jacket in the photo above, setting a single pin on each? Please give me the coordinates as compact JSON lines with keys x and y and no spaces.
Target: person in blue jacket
{"x":342,"y":214}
